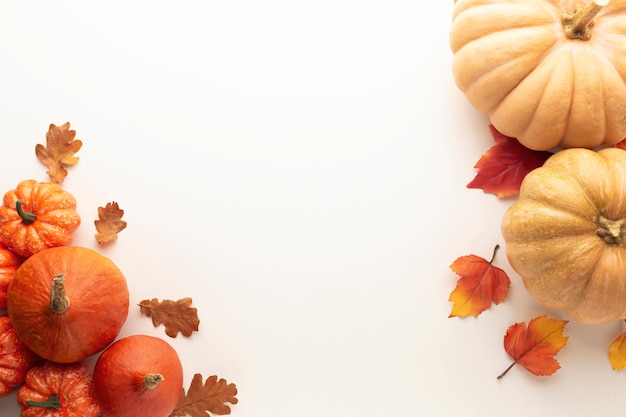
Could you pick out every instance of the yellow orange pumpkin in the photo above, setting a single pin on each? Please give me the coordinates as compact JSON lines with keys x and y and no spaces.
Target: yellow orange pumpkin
{"x":566,"y":234}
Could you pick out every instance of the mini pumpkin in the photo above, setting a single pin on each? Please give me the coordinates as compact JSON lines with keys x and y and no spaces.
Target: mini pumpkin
{"x":549,"y":73}
{"x":63,"y":390}
{"x":138,"y":375}
{"x":566,"y":234}
{"x":9,"y":261}
{"x":37,"y":215}
{"x":15,"y":358}
{"x":67,"y":303}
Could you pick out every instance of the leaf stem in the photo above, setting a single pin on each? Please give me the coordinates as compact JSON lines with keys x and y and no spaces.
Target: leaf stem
{"x":493,"y":256}
{"x":507,"y":370}
{"x":26,"y":216}
{"x":52,"y":402}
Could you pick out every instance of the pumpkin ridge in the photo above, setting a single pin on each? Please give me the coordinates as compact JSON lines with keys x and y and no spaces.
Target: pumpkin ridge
{"x":478,"y":78}
{"x":583,"y":295}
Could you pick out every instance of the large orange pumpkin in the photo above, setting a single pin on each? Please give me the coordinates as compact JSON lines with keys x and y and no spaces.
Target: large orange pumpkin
{"x":67,"y":303}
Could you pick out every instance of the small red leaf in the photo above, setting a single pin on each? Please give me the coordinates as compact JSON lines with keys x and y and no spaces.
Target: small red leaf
{"x":621,"y":144}
{"x":503,"y":167}
{"x":481,"y":284}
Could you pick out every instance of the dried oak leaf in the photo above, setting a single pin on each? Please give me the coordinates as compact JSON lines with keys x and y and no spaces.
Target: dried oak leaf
{"x":59,"y":151}
{"x":481,"y":284}
{"x":110,"y":223}
{"x":503,"y":167}
{"x":534,"y":348}
{"x":177,"y":316}
{"x":203,"y":399}
{"x":617,"y":352}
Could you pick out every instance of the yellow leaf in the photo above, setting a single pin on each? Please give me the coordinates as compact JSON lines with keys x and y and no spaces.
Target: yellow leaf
{"x":617,"y":352}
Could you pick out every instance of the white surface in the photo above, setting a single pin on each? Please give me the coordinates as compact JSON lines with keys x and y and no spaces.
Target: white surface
{"x":299,"y":169}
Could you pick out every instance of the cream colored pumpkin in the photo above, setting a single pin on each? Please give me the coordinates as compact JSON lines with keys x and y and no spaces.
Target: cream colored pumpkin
{"x":566,"y":234}
{"x":547,"y":72}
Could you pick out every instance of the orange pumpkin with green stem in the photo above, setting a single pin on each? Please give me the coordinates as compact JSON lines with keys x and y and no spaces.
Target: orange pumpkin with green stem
{"x":37,"y":215}
{"x":63,"y":390}
{"x":67,"y":303}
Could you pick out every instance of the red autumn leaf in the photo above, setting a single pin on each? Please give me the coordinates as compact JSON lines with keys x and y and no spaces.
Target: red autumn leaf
{"x":481,"y":283}
{"x":534,"y":347}
{"x":503,"y":167}
{"x":621,"y":144}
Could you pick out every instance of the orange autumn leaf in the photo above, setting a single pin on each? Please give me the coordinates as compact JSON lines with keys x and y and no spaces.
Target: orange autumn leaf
{"x":535,"y":347}
{"x":617,"y":352}
{"x":177,"y":316}
{"x":480,"y":285}
{"x":203,"y":399}
{"x":503,"y":167}
{"x":59,"y":151}
{"x":110,"y":223}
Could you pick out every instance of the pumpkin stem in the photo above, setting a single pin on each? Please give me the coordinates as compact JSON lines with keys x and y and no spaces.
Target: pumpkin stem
{"x":150,"y":381}
{"x":578,"y":24}
{"x":52,"y":402}
{"x":58,"y":300}
{"x":26,"y":216}
{"x":611,"y":231}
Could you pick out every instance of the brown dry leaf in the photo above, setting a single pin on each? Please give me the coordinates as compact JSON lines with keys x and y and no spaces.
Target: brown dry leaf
{"x":203,"y":399}
{"x":59,"y":151}
{"x":110,"y":223}
{"x":177,"y":316}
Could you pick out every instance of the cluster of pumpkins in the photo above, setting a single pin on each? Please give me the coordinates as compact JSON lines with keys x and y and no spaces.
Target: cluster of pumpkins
{"x":553,"y":75}
{"x":66,"y":303}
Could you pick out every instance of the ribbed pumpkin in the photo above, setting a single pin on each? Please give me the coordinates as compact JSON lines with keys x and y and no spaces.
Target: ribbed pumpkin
{"x":566,"y":234}
{"x":67,"y":303}
{"x":549,"y":73}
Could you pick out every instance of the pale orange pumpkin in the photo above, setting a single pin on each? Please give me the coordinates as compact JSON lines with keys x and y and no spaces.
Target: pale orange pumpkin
{"x":549,"y":73}
{"x":566,"y":234}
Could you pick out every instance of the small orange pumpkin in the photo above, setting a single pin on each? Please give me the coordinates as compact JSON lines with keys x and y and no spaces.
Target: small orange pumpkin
{"x":9,"y":261}
{"x":138,"y":375}
{"x":63,"y":390}
{"x":37,"y":215}
{"x":67,"y":303}
{"x":16,"y":359}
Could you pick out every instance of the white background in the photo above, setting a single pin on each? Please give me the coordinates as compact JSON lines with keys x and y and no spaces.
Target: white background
{"x":299,"y":169}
